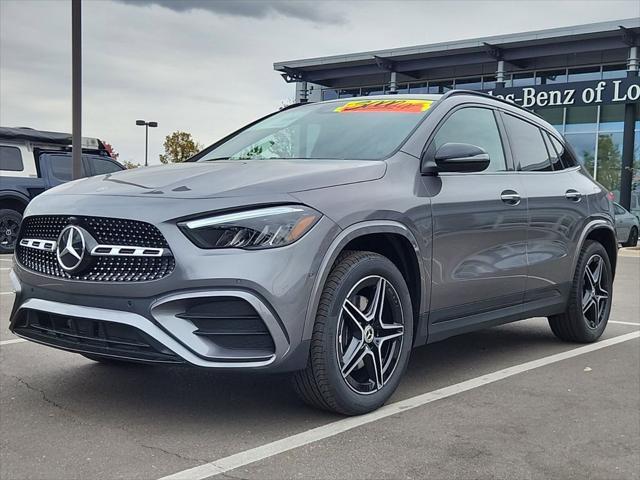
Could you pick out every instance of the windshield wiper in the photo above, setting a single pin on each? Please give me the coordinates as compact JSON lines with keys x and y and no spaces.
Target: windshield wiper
{"x":214,"y":159}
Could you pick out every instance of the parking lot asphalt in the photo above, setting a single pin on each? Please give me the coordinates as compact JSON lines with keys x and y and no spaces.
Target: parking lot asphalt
{"x":558,"y":411}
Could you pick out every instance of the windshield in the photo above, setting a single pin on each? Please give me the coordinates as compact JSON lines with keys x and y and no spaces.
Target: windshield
{"x":355,"y":130}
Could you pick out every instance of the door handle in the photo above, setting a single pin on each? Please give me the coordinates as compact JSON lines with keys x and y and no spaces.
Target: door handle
{"x":510,"y":197}
{"x":573,"y":195}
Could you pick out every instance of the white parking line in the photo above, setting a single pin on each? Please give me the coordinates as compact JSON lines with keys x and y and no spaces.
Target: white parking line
{"x":7,"y":293}
{"x":14,"y":340}
{"x":635,"y":324}
{"x":252,"y":455}
{"x":5,"y":269}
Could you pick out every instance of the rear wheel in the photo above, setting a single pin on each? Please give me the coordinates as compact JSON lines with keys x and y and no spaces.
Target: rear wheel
{"x":9,"y":225}
{"x":362,"y":336}
{"x":632,"y":241}
{"x":589,"y":302}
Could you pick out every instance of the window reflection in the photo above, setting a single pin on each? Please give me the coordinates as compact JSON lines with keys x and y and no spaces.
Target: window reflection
{"x":581,"y":119}
{"x":582,"y":74}
{"x":609,"y":161}
{"x":584,"y":145}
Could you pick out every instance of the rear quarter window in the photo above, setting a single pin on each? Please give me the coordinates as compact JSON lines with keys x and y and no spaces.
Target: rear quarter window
{"x":11,"y":159}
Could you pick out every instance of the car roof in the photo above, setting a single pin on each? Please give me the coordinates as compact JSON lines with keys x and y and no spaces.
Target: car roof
{"x":41,"y":136}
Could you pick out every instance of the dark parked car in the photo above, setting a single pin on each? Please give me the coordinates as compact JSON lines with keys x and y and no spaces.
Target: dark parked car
{"x":32,"y":161}
{"x":327,"y":239}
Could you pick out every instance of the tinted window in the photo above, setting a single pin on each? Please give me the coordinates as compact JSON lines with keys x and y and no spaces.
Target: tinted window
{"x":619,"y":209}
{"x":11,"y":159}
{"x":527,"y":145}
{"x":102,"y":166}
{"x":565,"y":156}
{"x":476,"y":126}
{"x":61,"y":167}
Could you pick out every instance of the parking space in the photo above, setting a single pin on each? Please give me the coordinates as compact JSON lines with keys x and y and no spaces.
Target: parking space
{"x":576,"y":415}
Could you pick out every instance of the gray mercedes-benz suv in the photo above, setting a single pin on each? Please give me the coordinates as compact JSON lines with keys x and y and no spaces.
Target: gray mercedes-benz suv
{"x":326,"y":239}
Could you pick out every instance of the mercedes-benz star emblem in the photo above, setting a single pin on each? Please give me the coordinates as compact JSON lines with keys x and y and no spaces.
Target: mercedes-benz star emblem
{"x":71,"y":248}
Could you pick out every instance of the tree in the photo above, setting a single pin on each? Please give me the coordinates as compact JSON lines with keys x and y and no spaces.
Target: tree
{"x":178,"y":146}
{"x":128,"y":164}
{"x":609,"y":162}
{"x":110,"y":150}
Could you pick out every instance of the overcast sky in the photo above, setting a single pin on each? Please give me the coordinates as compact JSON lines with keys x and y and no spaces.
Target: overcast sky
{"x":206,"y":67}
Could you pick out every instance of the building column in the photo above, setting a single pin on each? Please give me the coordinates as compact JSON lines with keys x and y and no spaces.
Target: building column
{"x":628,"y":137}
{"x":393,"y":84}
{"x":301,"y":92}
{"x":500,"y":74}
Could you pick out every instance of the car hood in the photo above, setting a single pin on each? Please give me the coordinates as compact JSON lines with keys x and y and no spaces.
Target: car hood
{"x":227,"y":178}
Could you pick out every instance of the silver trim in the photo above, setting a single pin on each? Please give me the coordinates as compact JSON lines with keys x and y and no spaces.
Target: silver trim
{"x":46,"y":245}
{"x":116,"y":251}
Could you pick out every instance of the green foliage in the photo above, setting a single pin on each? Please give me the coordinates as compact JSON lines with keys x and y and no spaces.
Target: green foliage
{"x":179,"y":146}
{"x":129,"y":164}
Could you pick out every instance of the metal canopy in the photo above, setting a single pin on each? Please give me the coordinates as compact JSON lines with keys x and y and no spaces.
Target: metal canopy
{"x":515,"y":49}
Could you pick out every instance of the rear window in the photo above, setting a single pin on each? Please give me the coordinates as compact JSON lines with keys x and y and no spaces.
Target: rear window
{"x":11,"y":159}
{"x":527,"y":145}
{"x":357,"y":129}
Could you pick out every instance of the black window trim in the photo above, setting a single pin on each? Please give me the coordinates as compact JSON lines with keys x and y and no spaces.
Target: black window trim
{"x":539,"y":127}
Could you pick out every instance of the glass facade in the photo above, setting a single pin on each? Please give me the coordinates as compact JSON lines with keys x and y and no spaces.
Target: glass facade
{"x":595,"y":132}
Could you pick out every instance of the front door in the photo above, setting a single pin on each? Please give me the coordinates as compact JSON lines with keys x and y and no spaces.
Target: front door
{"x":479,"y":231}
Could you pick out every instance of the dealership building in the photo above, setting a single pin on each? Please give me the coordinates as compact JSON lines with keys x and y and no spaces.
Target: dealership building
{"x":582,"y":79}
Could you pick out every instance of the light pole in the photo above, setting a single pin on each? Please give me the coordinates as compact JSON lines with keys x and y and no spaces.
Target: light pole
{"x":146,"y":138}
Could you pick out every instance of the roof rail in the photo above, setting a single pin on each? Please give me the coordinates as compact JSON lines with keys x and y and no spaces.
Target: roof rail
{"x":454,"y":92}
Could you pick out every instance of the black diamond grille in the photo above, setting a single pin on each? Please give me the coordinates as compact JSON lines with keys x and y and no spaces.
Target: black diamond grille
{"x":108,"y":231}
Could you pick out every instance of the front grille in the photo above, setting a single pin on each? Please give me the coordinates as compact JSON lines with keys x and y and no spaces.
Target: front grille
{"x":91,"y":336}
{"x":231,"y":323}
{"x":108,"y":231}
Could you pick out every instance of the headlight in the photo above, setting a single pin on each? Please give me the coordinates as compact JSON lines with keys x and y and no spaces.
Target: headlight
{"x":252,"y":229}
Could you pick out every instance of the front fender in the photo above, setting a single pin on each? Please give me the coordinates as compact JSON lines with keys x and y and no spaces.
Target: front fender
{"x":338,"y":244}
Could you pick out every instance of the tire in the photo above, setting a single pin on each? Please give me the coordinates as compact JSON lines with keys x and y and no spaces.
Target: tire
{"x":582,"y":322}
{"x":632,"y":241}
{"x":338,"y":335}
{"x":9,"y":226}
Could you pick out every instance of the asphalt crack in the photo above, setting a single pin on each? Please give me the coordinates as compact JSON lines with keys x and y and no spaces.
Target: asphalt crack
{"x":41,"y":392}
{"x":167,"y":452}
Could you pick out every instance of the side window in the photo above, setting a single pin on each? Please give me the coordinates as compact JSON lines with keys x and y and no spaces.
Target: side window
{"x":565,"y":156}
{"x":554,"y":158}
{"x":527,"y":145}
{"x":61,"y":167}
{"x":11,"y":159}
{"x":102,"y":166}
{"x":476,"y":126}
{"x":619,"y":210}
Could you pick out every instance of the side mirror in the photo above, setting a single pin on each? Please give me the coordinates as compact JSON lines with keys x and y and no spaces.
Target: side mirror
{"x":455,"y":157}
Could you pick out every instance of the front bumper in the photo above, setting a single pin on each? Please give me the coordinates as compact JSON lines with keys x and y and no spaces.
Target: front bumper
{"x":276,"y":284}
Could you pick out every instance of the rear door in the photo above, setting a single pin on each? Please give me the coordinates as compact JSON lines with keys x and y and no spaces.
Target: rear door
{"x":479,"y":229}
{"x":557,"y":205}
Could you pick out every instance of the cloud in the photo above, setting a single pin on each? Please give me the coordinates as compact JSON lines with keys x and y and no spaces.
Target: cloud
{"x":301,"y":10}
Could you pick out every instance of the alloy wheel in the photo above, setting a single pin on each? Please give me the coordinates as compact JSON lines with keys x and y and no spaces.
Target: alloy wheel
{"x":8,"y":232}
{"x":595,"y":291}
{"x":370,"y":335}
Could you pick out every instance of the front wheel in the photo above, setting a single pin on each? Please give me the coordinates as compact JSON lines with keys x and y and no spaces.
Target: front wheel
{"x":362,"y":336}
{"x":589,"y":303}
